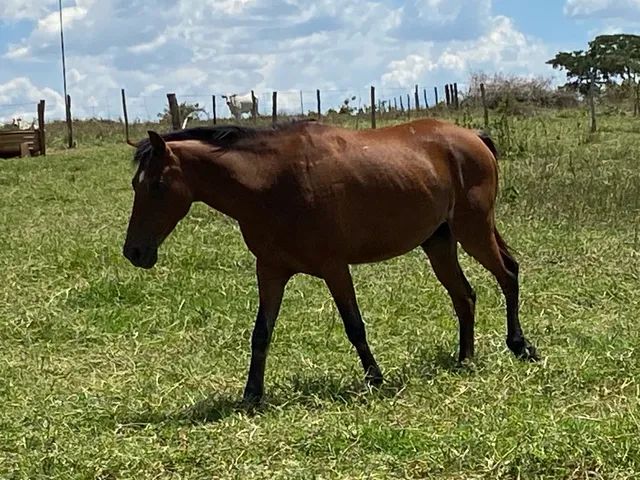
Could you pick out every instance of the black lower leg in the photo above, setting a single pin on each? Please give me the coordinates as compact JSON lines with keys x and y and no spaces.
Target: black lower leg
{"x":356,"y":333}
{"x":465,"y":311}
{"x":441,"y":249}
{"x":516,"y":340}
{"x":260,"y":340}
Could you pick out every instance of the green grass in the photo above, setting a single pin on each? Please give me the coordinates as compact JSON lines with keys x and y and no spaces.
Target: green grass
{"x":110,"y":372}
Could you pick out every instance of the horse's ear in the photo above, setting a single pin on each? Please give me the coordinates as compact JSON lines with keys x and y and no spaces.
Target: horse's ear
{"x":158,"y":144}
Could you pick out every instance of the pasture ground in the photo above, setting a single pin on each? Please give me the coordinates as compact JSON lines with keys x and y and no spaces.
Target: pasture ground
{"x":111,"y":372}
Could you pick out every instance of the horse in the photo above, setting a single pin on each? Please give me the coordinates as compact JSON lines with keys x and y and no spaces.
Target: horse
{"x":314,"y":199}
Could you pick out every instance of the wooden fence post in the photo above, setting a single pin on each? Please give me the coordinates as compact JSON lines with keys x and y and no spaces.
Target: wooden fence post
{"x":455,"y":95}
{"x":213,"y":109}
{"x":125,"y":115}
{"x":69,"y":121}
{"x":254,"y":107}
{"x":373,"y":106}
{"x":426,"y":102}
{"x":43,"y":143}
{"x":417,"y":99}
{"x":447,"y":94}
{"x":319,"y":106}
{"x":174,"y":110}
{"x":274,"y":107}
{"x":592,"y":101}
{"x":483,"y":97}
{"x":395,"y":104}
{"x":401,"y":105}
{"x":408,"y":106}
{"x":301,"y":104}
{"x":435,"y":89}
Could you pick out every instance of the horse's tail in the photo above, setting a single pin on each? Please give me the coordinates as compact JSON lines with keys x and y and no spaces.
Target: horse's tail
{"x":501,"y":242}
{"x":488,"y":141}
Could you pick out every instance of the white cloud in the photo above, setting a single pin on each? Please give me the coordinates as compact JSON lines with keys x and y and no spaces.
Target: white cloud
{"x":50,"y":24}
{"x":205,"y":47}
{"x":408,"y":70}
{"x":501,"y":48}
{"x":16,"y":51}
{"x":603,"y":9}
{"x":443,"y":19}
{"x":147,"y":47}
{"x":22,"y":96}
{"x":24,"y":9}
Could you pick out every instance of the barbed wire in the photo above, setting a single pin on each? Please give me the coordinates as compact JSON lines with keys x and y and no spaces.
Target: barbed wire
{"x":147,"y":107}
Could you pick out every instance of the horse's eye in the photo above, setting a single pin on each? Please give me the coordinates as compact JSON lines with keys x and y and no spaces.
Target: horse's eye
{"x":157,"y":188}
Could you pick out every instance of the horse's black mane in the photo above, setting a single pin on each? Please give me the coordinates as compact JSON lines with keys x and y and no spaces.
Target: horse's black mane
{"x":224,"y":136}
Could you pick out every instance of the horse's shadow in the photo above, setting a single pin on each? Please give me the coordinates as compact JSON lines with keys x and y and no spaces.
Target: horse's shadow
{"x":309,"y":391}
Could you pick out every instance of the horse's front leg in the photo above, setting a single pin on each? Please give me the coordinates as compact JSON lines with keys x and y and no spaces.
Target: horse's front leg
{"x":271,"y":283}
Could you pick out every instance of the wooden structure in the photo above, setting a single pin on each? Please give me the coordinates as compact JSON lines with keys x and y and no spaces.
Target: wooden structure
{"x":23,"y":143}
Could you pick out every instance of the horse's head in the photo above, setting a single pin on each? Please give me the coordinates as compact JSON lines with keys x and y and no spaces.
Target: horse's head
{"x":161,"y":199}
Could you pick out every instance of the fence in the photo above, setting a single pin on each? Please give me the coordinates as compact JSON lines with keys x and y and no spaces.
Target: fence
{"x":357,"y":107}
{"x":146,"y":108}
{"x":294,"y":103}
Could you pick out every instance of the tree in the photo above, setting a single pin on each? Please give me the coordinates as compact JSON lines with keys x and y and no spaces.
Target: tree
{"x":345,"y":108}
{"x":583,"y":75}
{"x":618,"y":56}
{"x":186,"y":109}
{"x":582,"y":71}
{"x":610,"y":60}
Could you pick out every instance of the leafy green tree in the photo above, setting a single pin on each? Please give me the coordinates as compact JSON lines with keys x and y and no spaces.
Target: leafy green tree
{"x":617,"y":56}
{"x":583,"y":75}
{"x":610,"y":60}
{"x":581,"y":68}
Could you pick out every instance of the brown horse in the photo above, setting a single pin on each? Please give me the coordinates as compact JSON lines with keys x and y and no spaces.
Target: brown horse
{"x":311,"y":198}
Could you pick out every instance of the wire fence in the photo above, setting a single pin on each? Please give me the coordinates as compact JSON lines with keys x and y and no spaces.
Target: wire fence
{"x":99,"y":120}
{"x":150,"y":108}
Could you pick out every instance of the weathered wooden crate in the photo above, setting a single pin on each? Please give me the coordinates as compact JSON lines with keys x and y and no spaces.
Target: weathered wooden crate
{"x":22,"y":143}
{"x":14,"y":143}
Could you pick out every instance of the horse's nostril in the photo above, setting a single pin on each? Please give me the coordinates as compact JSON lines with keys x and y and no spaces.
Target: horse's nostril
{"x":133,"y":253}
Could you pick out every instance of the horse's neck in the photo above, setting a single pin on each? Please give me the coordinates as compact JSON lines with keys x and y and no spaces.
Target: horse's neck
{"x":228,"y":182}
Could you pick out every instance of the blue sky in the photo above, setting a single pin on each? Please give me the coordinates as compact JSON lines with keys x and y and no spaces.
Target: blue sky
{"x":201,"y":47}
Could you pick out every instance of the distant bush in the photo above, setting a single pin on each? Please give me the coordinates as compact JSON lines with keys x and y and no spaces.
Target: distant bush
{"x":515,"y":94}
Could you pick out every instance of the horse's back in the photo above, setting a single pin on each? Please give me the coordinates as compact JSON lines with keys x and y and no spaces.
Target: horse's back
{"x":365,"y":196}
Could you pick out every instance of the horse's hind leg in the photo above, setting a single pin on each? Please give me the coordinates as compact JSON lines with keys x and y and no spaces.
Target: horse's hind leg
{"x":481,"y":240}
{"x":441,"y":249}
{"x":339,"y":281}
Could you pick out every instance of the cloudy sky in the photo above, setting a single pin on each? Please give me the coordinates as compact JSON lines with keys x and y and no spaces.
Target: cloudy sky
{"x":197,"y":48}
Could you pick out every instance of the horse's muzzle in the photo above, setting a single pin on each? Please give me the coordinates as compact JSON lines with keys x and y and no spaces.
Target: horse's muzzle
{"x":143,"y":257}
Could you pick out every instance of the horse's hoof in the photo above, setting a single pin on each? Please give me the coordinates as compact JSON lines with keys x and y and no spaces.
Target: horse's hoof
{"x":374,"y":378}
{"x":251,"y":397}
{"x":523,"y":350}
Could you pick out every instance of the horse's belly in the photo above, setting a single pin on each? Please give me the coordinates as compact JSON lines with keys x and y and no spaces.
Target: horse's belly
{"x":382,"y":229}
{"x":352,"y":220}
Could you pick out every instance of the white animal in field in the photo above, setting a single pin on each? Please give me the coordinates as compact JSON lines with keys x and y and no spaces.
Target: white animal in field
{"x":239,"y":104}
{"x":20,"y":124}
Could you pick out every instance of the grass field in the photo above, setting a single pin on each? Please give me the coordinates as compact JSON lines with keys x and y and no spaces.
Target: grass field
{"x":110,"y":372}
